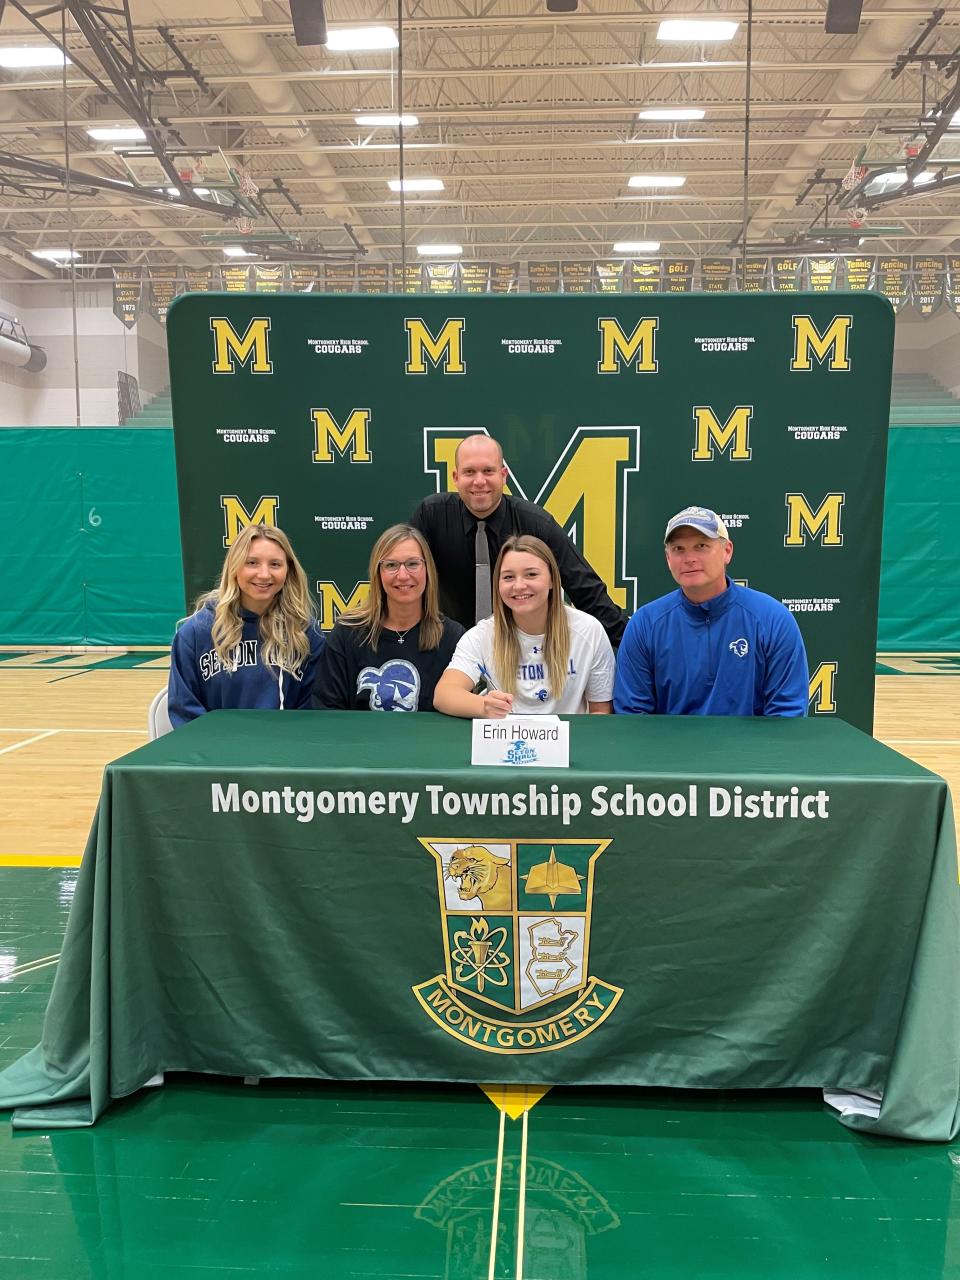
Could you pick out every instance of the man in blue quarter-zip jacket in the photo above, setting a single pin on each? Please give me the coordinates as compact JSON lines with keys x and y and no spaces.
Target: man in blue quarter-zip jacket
{"x":712,"y":648}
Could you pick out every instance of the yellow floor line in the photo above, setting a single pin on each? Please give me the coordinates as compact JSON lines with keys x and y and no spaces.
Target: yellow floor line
{"x":522,"y":1203}
{"x":498,"y":1183}
{"x":31,"y":967}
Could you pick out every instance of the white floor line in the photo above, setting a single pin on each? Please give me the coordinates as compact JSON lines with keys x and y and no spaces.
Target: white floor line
{"x":922,"y":742}
{"x":47,"y":733}
{"x":142,"y":728}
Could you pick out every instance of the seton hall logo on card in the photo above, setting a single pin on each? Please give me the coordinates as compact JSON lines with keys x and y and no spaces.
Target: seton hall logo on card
{"x":515,"y":924}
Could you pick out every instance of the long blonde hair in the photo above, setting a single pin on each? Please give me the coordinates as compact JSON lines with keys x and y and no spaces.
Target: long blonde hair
{"x":283,"y":625}
{"x":372,"y":613}
{"x":556,"y":641}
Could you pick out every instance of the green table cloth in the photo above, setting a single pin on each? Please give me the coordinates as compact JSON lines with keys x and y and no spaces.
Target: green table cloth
{"x":704,"y":903}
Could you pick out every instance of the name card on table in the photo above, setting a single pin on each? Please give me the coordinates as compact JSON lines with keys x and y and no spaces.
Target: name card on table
{"x":542,"y":741}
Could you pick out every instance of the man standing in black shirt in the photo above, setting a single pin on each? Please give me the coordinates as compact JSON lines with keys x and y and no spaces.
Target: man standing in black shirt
{"x":466,"y":529}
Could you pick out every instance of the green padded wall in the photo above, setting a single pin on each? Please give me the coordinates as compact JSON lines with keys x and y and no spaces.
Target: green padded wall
{"x":97,"y":510}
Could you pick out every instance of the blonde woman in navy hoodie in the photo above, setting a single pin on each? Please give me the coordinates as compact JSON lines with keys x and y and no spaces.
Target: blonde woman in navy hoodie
{"x":253,"y":641}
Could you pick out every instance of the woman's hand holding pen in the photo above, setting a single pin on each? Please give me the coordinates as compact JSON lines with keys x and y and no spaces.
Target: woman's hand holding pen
{"x":496,"y":704}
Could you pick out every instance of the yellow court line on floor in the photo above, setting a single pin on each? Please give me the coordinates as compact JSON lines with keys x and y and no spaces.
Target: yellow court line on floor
{"x":41,"y":860}
{"x":31,"y":966}
{"x":498,"y":1183}
{"x":522,"y":1200}
{"x":37,"y":737}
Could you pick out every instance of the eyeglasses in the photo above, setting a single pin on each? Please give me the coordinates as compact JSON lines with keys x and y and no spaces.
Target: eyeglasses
{"x":393,"y":567}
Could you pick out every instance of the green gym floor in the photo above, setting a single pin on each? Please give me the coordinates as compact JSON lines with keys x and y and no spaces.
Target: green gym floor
{"x":211,"y":1179}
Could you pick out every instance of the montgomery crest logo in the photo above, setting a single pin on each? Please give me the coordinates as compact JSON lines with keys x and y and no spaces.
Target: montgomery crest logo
{"x":515,"y":923}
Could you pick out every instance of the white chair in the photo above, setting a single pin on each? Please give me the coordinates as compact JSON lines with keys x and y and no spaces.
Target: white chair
{"x":158,"y":722}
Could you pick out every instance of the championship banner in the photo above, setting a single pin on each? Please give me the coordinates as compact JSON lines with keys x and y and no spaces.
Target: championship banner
{"x":645,"y":275}
{"x":608,"y":276}
{"x":236,"y":279}
{"x":414,"y":278}
{"x":953,"y":282}
{"x":475,"y":277}
{"x":199,"y":280}
{"x":787,"y":274}
{"x":860,"y":273}
{"x":754,"y":277}
{"x":373,"y":277}
{"x":164,"y":287}
{"x":929,"y":279}
{"x":715,"y":274}
{"x":677,"y":275}
{"x":303,"y":279}
{"x":333,"y":417}
{"x":505,"y":277}
{"x":442,"y":277}
{"x":127,"y":294}
{"x":577,"y":277}
{"x":339,"y":277}
{"x":821,"y":274}
{"x":544,"y":277}
{"x":267,"y":279}
{"x":893,"y":280}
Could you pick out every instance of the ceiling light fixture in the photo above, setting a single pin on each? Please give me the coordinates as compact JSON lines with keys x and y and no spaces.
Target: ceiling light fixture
{"x":671,"y":113}
{"x":35,"y":55}
{"x":439,"y":250}
{"x":636,"y":246}
{"x":415,"y":184}
{"x":117,"y":133}
{"x":55,"y":255}
{"x":656,"y":180}
{"x":236,"y":251}
{"x":385,"y":120}
{"x":696,"y":30}
{"x":357,"y":39}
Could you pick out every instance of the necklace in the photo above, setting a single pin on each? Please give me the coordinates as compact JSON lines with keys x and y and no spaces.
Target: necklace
{"x":401,"y":635}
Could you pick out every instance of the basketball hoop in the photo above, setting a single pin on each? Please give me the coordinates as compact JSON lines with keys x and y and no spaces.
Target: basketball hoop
{"x":854,"y":176}
{"x":244,"y":225}
{"x":856,"y":218}
{"x":245,"y":184}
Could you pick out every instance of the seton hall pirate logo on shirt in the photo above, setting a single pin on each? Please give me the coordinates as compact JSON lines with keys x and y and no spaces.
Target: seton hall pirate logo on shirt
{"x":515,"y":925}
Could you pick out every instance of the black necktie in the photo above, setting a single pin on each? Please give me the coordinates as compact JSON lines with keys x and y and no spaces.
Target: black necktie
{"x":484,"y":605}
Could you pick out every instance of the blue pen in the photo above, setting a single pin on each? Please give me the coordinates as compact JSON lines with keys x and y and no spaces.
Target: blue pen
{"x":491,"y":683}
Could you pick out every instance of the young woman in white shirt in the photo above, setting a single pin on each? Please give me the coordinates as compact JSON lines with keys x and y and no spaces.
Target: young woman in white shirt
{"x":536,"y":655}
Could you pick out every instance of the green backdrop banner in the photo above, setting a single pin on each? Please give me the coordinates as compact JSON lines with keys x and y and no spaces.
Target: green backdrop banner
{"x":332,"y":417}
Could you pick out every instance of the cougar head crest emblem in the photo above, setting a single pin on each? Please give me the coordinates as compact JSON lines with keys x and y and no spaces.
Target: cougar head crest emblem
{"x":482,"y":875}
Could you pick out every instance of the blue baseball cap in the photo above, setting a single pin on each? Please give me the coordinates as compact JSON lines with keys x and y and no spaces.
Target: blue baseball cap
{"x":700,"y":518}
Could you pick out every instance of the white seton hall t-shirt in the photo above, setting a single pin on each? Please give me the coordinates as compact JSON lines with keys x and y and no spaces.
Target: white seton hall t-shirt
{"x":590,"y":668}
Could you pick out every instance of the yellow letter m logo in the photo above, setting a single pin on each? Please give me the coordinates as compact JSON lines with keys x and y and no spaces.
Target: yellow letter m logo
{"x":353,"y":435}
{"x":822,"y":689}
{"x":809,"y":342}
{"x":447,"y":346}
{"x":615,"y":346}
{"x":332,"y":602}
{"x":231,"y":351}
{"x":237,"y":517}
{"x":710,"y":435}
{"x":824,"y":523}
